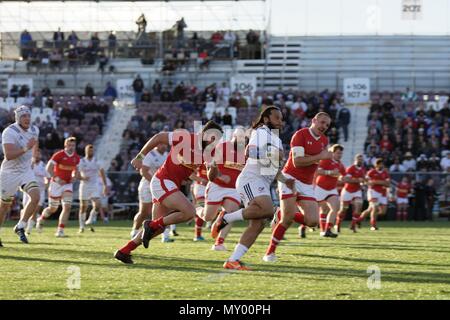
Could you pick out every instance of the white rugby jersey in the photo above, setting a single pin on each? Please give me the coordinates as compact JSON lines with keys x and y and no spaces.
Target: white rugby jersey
{"x":263,"y":144}
{"x":89,"y":168}
{"x":40,"y":173}
{"x":14,"y":134}
{"x":154,"y":160}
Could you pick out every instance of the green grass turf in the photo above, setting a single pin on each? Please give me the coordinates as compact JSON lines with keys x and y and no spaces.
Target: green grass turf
{"x":414,"y":260}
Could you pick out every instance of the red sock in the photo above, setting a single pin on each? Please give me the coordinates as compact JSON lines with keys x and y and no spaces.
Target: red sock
{"x":277,"y":236}
{"x":198,"y":226}
{"x":299,"y":218}
{"x":399,"y":215}
{"x":61,"y":225}
{"x":355,"y":219}
{"x":130,"y":246}
{"x":219,"y":241}
{"x":373,"y":222}
{"x":323,"y":221}
{"x":157,"y":224}
{"x":328,"y":225}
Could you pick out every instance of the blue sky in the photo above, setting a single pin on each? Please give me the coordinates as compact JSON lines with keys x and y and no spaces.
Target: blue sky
{"x":287,"y":17}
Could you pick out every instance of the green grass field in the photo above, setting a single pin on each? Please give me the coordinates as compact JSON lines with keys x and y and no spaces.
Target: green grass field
{"x":413,"y":258}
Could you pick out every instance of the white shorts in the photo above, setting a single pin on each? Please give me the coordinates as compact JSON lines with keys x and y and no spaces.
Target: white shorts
{"x":55,"y":190}
{"x":161,"y":189}
{"x":199,"y":191}
{"x":304,"y":191}
{"x":216,"y":194}
{"x":26,"y":197}
{"x":322,"y":194}
{"x":402,"y":200}
{"x":11,"y":182}
{"x":252,"y":186}
{"x":350,"y":196}
{"x":89,"y":191}
{"x":374,"y":196}
{"x":145,"y":195}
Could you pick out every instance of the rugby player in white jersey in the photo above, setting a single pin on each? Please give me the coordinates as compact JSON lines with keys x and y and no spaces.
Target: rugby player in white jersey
{"x":90,"y":172}
{"x":20,"y":143}
{"x":41,"y":178}
{"x":151,"y":163}
{"x":265,"y":152}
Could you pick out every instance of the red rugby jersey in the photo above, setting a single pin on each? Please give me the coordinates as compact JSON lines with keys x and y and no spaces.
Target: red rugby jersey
{"x":65,"y":164}
{"x":354,"y":172}
{"x":327,"y":182}
{"x":375,"y":175}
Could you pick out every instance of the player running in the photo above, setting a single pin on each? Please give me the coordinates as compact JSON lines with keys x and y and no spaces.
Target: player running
{"x":352,"y":193}
{"x":62,"y":168}
{"x":20,"y":144}
{"x":325,"y":191}
{"x":308,"y":148}
{"x":171,"y":206}
{"x":41,"y":174}
{"x":265,"y":153}
{"x":403,"y":189}
{"x":221,"y":193}
{"x":90,"y":172}
{"x":378,"y":181}
{"x":151,"y":163}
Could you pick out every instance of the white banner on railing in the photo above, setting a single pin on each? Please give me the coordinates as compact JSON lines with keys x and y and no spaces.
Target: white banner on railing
{"x":246,"y":85}
{"x":20,"y":82}
{"x":357,"y":90}
{"x":125,"y":89}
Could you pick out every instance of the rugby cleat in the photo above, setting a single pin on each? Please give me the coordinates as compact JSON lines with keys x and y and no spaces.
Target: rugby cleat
{"x":329,"y":234}
{"x":218,"y":225}
{"x":270,"y":257}
{"x":125,"y":258}
{"x":167,"y":240}
{"x":373,"y":228}
{"x":21,"y":233}
{"x":218,"y":247}
{"x":174,"y":233}
{"x":147,"y":233}
{"x":302,"y":232}
{"x":60,"y":234}
{"x":235,"y":265}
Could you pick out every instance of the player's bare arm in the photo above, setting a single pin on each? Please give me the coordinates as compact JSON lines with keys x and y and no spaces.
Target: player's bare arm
{"x":303,"y":160}
{"x":159,"y":138}
{"x":103,"y":178}
{"x":12,"y":151}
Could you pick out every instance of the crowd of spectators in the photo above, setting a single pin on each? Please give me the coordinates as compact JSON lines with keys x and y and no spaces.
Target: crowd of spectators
{"x":408,"y":132}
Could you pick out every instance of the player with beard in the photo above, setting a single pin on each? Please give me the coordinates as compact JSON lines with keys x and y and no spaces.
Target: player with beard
{"x":170,"y":205}
{"x":265,"y":153}
{"x":308,"y":148}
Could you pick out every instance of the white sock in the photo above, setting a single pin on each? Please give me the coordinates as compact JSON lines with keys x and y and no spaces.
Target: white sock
{"x":133,"y":233}
{"x":82,"y":218}
{"x":21,"y":224}
{"x":239,"y":251}
{"x":173,"y":227}
{"x":93,"y":216}
{"x":166,"y":233}
{"x":31,"y":224}
{"x":234,"y":216}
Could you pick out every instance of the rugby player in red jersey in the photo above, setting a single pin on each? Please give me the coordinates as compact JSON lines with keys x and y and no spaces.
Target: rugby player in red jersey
{"x":200,"y":179}
{"x":325,"y":191}
{"x":403,"y":189}
{"x":171,"y":206}
{"x":352,"y":192}
{"x":308,"y":147}
{"x":62,"y":168}
{"x":378,"y":181}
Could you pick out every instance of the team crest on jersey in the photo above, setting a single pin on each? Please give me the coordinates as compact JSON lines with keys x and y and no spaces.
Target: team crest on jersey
{"x":260,"y":189}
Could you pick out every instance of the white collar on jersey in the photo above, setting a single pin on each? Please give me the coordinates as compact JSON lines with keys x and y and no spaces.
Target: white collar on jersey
{"x":313,"y":135}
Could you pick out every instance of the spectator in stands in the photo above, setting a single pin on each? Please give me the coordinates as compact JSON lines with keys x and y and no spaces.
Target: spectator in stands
{"x":110,"y":91}
{"x":34,"y":59}
{"x":56,"y":60}
{"x":25,"y":44}
{"x":397,"y":166}
{"x":138,"y":87}
{"x":238,"y":101}
{"x":333,"y":135}
{"x":409,"y":95}
{"x":24,"y":91}
{"x":72,"y":57}
{"x":445,"y":162}
{"x":230,"y":39}
{"x":102,"y":62}
{"x":46,"y":92}
{"x":216,"y":37}
{"x":409,"y":163}
{"x":203,"y":60}
{"x":89,"y":91}
{"x":252,"y":43}
{"x":180,"y":92}
{"x":434,"y":163}
{"x":112,"y":45}
{"x":14,"y":92}
{"x":180,"y":26}
{"x":156,"y":88}
{"x":58,"y":37}
{"x":224,"y":92}
{"x":343,"y":118}
{"x":146,"y":96}
{"x":227,"y":119}
{"x":73,"y":39}
{"x":166,"y":96}
{"x":279,"y":95}
{"x":95,"y":41}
